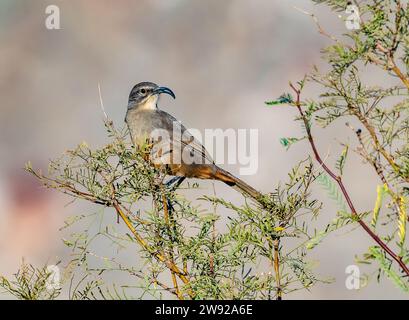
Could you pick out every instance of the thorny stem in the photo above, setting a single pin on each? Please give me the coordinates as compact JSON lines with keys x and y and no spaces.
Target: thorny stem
{"x":392,"y":66}
{"x":211,"y":256}
{"x":373,"y":161}
{"x":375,"y":140}
{"x":338,"y":179}
{"x":399,"y":73}
{"x":276,"y":244}
{"x":167,"y":220}
{"x":164,"y":286}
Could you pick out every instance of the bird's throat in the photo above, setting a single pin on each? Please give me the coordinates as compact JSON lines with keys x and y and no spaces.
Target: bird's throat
{"x":149,"y":104}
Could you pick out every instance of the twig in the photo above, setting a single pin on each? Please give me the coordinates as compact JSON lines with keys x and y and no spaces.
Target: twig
{"x":320,"y":28}
{"x":378,"y":169}
{"x":144,"y":244}
{"x":338,"y":179}
{"x":167,"y":220}
{"x":117,"y":206}
{"x":391,"y":64}
{"x":211,"y":256}
{"x":164,"y":286}
{"x":102,"y":103}
{"x":276,"y":245}
{"x":375,"y":140}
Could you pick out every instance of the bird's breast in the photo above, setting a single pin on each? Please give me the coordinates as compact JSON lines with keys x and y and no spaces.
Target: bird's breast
{"x":140,"y":125}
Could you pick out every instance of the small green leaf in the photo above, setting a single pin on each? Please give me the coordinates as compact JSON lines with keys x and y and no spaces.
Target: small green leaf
{"x":340,"y":164}
{"x":386,"y":267}
{"x":313,"y":242}
{"x":285,"y":98}
{"x":287,"y":142}
{"x":380,"y":191}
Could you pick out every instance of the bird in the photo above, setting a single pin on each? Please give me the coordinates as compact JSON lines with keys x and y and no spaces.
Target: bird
{"x":173,"y":148}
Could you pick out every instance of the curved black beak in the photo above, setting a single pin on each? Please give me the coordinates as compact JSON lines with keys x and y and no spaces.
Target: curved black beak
{"x":160,"y":90}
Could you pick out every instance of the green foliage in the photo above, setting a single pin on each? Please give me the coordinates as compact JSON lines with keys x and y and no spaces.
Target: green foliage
{"x":341,"y":220}
{"x":332,"y":190}
{"x":239,"y":261}
{"x":386,"y":267}
{"x":31,"y":283}
{"x":192,"y":250}
{"x":336,"y":5}
{"x":287,"y":142}
{"x":285,"y":98}
{"x":380,"y":193}
{"x":340,"y":164}
{"x":286,"y":206}
{"x":350,"y":94}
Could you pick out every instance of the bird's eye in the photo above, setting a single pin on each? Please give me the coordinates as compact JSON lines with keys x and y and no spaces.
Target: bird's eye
{"x":143,"y":91}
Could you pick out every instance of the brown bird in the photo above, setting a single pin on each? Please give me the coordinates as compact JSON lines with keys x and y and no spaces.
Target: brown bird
{"x":173,"y":147}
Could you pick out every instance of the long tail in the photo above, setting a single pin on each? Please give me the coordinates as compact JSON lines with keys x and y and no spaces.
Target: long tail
{"x":237,"y":184}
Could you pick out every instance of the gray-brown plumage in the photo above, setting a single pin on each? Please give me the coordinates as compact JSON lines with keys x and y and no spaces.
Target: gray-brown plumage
{"x":173,"y":147}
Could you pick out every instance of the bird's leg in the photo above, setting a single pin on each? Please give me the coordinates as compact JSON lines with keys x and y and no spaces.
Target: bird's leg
{"x":173,"y":183}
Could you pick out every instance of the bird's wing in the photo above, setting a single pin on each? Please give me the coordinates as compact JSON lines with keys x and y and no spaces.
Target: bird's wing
{"x":180,"y":144}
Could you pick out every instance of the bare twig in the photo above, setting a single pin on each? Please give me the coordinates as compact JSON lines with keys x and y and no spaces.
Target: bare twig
{"x":321,"y":30}
{"x":102,"y":103}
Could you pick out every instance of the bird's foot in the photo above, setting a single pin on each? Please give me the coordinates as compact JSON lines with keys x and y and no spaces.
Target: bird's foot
{"x":175,"y":182}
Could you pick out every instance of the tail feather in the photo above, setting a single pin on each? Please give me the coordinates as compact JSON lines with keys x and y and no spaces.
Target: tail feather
{"x":237,"y":184}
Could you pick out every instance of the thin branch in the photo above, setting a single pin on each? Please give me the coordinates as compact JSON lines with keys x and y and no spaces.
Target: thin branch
{"x":51,"y":183}
{"x":377,"y":144}
{"x":338,"y":179}
{"x":145,"y":245}
{"x":164,"y":286}
{"x":321,"y":30}
{"x":172,"y":260}
{"x":276,"y":245}
{"x":102,"y":103}
{"x":391,"y":64}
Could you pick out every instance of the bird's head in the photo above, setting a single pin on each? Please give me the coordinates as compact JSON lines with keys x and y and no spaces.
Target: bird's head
{"x":145,"y":95}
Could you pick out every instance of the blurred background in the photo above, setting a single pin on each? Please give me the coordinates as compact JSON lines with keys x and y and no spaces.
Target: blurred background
{"x":223,"y":59}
